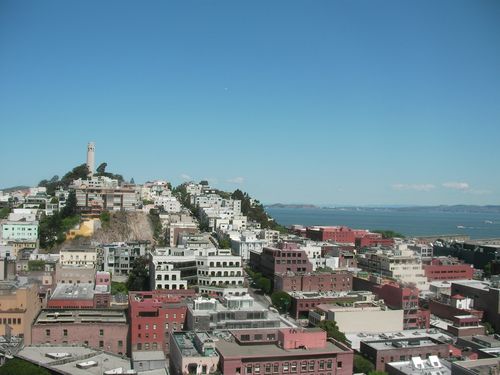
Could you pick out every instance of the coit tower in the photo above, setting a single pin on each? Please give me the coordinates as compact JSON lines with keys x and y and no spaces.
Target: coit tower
{"x":90,"y":157}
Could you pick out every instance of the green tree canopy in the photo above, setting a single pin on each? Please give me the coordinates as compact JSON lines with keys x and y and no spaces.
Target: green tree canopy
{"x":361,"y":364}
{"x":138,"y":278}
{"x":282,"y":301}
{"x":264,"y":284}
{"x":18,"y":366}
{"x":332,"y":330}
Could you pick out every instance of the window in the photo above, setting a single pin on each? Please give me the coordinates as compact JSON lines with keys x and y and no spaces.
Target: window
{"x":249,"y":369}
{"x":101,"y":344}
{"x":257,"y":369}
{"x":65,"y":332}
{"x":47,"y":332}
{"x":120,"y":343}
{"x":154,"y":326}
{"x":293,"y":367}
{"x":303,"y":366}
{"x":286,"y":366}
{"x":339,"y":364}
{"x":101,"y":332}
{"x":311,"y":366}
{"x":268,"y":368}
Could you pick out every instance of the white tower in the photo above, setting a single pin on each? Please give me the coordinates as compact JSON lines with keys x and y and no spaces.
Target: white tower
{"x":90,"y":157}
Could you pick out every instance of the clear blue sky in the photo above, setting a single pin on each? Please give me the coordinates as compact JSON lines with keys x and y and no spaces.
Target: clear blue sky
{"x":341,"y":102}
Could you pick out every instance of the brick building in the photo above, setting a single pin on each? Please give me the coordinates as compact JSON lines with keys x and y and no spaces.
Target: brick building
{"x":80,"y":296}
{"x":283,"y":351}
{"x":302,"y":302}
{"x":396,"y":296}
{"x":380,"y":352}
{"x":100,"y":329}
{"x":335,"y":234}
{"x":337,"y":281}
{"x":445,"y":268}
{"x":373,"y":239}
{"x":154,"y":315}
{"x":286,"y":258}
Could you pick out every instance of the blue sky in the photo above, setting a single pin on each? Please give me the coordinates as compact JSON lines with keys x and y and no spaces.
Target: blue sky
{"x":340,"y":102}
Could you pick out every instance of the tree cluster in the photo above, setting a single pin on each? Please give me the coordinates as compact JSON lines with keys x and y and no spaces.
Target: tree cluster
{"x":388,"y":233}
{"x":53,"y":228}
{"x":282,"y":301}
{"x":138,"y":278}
{"x":18,"y":366}
{"x":80,"y":171}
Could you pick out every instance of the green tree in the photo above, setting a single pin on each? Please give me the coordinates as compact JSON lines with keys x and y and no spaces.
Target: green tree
{"x":282,"y":301}
{"x":388,"y":233}
{"x":138,"y":278}
{"x":101,"y":169}
{"x":264,"y":284}
{"x":4,"y":212}
{"x":70,"y":208}
{"x":118,"y":288}
{"x":361,"y":364}
{"x":224,"y":242}
{"x":332,"y":330}
{"x":18,"y":366}
{"x":377,"y":373}
{"x":105,"y":218}
{"x":489,"y":328}
{"x":36,"y":265}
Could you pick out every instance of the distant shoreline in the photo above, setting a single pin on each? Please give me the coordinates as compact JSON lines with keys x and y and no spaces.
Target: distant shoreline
{"x":441,"y":208}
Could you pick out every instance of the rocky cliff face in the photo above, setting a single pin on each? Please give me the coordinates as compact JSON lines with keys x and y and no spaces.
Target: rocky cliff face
{"x":125,"y":226}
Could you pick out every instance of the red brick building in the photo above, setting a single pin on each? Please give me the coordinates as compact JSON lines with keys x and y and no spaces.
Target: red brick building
{"x":287,"y":351}
{"x":335,"y":234}
{"x":445,"y":268}
{"x":153,"y":315}
{"x":337,"y":281}
{"x":97,"y":328}
{"x":302,"y":302}
{"x":79,"y":296}
{"x":397,"y":296}
{"x":277,"y":260}
{"x":373,"y":239}
{"x":380,"y":352}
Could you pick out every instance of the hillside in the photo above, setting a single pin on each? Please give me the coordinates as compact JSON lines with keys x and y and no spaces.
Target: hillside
{"x":125,"y":226}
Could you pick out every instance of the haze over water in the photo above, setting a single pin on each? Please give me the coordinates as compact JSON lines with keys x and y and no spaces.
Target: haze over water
{"x":409,"y":223}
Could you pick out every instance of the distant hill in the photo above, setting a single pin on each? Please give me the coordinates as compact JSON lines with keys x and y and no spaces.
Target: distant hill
{"x":282,"y":205}
{"x":14,"y":188}
{"x":459,"y":208}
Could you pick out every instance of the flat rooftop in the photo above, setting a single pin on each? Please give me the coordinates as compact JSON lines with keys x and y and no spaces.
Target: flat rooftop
{"x":356,"y":338}
{"x":73,"y":291}
{"x":58,"y":316}
{"x":231,"y":349}
{"x":185,"y":342}
{"x":479,"y":366}
{"x":390,"y":344}
{"x":51,"y":357}
{"x":313,"y":295}
{"x":473,"y":284}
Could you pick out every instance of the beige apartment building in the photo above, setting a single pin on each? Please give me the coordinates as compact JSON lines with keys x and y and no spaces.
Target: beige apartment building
{"x":19,"y":306}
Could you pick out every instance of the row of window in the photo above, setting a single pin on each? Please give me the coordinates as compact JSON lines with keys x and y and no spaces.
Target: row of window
{"x":290,"y":367}
{"x":11,"y":320}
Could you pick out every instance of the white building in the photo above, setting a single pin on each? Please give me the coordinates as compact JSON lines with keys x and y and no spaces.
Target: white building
{"x":162,"y":273}
{"x":246,"y":242}
{"x":78,"y":257}
{"x":20,"y":231}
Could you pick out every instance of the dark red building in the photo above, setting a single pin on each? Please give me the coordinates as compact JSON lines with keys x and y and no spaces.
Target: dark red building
{"x":153,"y":315}
{"x":397,"y":296}
{"x":335,"y":234}
{"x":277,"y":260}
{"x":445,"y":268}
{"x":373,"y":239}
{"x":337,"y":281}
